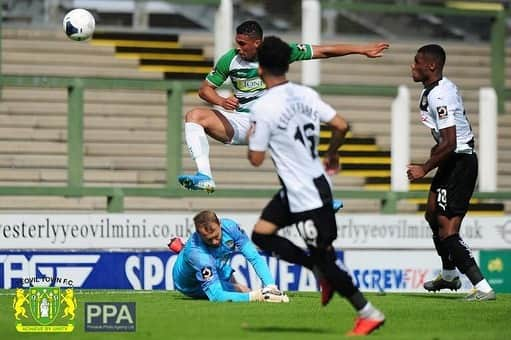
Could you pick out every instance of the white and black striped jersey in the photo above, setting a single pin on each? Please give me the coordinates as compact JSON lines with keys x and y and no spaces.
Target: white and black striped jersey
{"x":441,"y":107}
{"x":286,"y":120}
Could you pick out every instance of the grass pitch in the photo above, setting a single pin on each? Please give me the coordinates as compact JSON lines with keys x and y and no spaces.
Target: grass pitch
{"x":169,"y":315}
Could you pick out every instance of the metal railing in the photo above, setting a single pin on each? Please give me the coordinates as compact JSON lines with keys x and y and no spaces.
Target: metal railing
{"x":174,"y":92}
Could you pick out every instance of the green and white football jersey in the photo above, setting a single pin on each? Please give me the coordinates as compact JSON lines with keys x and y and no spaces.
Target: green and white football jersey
{"x":247,"y":84}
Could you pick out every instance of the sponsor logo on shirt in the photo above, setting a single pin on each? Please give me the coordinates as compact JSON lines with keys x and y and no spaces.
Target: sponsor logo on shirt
{"x":442,"y":112}
{"x":250,"y":84}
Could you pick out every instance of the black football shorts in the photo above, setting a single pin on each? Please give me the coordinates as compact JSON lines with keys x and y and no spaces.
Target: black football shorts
{"x":317,"y":227}
{"x":454,"y":184}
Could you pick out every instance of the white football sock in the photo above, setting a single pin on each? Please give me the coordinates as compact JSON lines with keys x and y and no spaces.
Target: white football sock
{"x":449,"y":274}
{"x":198,"y":146}
{"x":369,"y":311}
{"x":483,"y":286}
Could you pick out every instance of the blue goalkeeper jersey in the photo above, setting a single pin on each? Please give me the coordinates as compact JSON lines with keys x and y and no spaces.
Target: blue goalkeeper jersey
{"x":202,"y":271}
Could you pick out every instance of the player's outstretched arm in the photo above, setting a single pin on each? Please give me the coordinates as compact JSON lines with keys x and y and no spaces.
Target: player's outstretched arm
{"x":267,"y":294}
{"x":216,"y":293}
{"x":374,"y":50}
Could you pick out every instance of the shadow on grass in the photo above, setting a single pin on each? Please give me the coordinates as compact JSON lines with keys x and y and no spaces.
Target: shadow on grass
{"x":452,"y":297}
{"x":277,"y":329}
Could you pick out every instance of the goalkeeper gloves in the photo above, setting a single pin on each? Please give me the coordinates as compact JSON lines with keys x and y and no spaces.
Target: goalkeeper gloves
{"x":256,"y":295}
{"x":176,"y":244}
{"x":272,"y":294}
{"x":268,"y":294}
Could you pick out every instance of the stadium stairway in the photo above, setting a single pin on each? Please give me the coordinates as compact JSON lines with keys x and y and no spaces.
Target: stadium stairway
{"x":125,"y":129}
{"x":160,"y":53}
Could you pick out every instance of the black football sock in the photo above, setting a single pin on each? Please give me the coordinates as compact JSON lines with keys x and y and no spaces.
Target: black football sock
{"x":357,"y":300}
{"x":283,"y":248}
{"x":474,"y":274}
{"x":339,"y":279}
{"x":463,"y":257}
{"x":443,"y":252}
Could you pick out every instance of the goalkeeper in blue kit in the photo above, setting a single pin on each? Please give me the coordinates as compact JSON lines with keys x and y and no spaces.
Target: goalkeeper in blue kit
{"x":202,"y":269}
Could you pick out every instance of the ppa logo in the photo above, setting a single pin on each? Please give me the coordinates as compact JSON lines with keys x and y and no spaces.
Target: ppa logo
{"x":110,"y":317}
{"x":44,"y":309}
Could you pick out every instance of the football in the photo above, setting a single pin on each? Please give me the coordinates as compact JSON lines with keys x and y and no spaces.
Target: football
{"x":79,"y":24}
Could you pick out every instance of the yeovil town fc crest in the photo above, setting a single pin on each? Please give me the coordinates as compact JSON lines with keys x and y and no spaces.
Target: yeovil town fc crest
{"x":51,"y":309}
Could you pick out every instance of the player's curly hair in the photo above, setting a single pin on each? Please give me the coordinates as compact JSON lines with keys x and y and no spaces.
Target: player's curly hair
{"x":273,"y":55}
{"x":250,"y":28}
{"x":435,"y":52}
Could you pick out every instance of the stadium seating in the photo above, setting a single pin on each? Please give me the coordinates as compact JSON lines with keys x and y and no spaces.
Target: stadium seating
{"x":157,"y":52}
{"x":125,"y":129}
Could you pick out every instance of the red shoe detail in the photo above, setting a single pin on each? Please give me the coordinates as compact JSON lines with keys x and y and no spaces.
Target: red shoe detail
{"x":327,"y":291}
{"x":176,"y":244}
{"x":365,"y":326}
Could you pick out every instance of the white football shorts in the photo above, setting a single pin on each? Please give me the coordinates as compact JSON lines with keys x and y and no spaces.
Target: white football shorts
{"x":240,"y":123}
